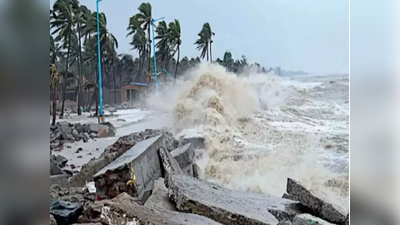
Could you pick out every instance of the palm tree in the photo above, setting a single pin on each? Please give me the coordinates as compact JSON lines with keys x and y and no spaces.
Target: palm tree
{"x":164,"y":44}
{"x":90,"y":85}
{"x":82,"y":14}
{"x":202,"y":45}
{"x":144,"y":19}
{"x":175,"y":39}
{"x":139,"y":43}
{"x":205,"y":41}
{"x":54,"y":80}
{"x":108,"y":42}
{"x":62,"y":20}
{"x":54,"y":50}
{"x":209,"y":34}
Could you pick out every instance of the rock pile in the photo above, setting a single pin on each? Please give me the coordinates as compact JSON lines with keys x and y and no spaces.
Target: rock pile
{"x":68,"y":132}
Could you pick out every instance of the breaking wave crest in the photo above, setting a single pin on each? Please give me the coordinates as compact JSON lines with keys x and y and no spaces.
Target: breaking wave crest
{"x":249,"y":146}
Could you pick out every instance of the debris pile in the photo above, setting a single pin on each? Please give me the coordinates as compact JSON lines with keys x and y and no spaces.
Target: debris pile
{"x":65,"y":132}
{"x":147,"y":178}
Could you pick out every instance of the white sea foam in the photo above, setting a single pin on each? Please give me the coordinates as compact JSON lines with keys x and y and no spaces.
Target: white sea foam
{"x":260,"y":130}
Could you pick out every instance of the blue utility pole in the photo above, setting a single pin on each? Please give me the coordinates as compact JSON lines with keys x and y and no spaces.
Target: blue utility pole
{"x":154,"y":54}
{"x":101,"y":116}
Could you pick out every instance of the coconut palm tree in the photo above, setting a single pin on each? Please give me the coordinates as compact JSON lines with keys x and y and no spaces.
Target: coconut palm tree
{"x":54,"y":80}
{"x":62,"y":22}
{"x":108,"y":42}
{"x":164,"y":44}
{"x":202,"y":45}
{"x":139,"y":43}
{"x":205,"y":41}
{"x":144,"y":19}
{"x":174,"y":29}
{"x":54,"y":50}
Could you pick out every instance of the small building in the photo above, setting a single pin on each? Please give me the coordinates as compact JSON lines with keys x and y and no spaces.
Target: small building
{"x":131,"y":92}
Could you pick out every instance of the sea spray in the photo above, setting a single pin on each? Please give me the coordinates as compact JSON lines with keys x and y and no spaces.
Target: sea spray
{"x":258,"y":132}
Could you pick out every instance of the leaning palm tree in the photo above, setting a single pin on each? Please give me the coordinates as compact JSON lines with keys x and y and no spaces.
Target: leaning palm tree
{"x":144,"y":19}
{"x":202,"y":44}
{"x":205,"y":41}
{"x":163,"y":45}
{"x":175,"y":39}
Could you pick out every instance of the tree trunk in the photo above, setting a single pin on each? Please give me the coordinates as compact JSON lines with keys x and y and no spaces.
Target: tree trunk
{"x":53,"y":121}
{"x":210,"y":52}
{"x":177,"y":63}
{"x":64,"y":86}
{"x":97,"y":102}
{"x":114,"y":80}
{"x":148,"y":30}
{"x":80,"y":83}
{"x":207,"y":53}
{"x":139,"y":78}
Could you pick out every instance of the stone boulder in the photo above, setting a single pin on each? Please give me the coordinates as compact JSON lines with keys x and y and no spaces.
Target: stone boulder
{"x":65,"y":212}
{"x":60,"y":180}
{"x":52,"y":220}
{"x":228,"y":206}
{"x":54,"y":168}
{"x":106,"y":130}
{"x":322,"y":208}
{"x":60,"y":160}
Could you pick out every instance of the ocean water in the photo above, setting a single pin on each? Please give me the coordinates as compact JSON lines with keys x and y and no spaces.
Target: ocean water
{"x":261,"y":129}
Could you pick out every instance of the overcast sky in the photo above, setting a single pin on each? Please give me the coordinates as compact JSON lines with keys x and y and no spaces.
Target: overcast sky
{"x":308,"y":35}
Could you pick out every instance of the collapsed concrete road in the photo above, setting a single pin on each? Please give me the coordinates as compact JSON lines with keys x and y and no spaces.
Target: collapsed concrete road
{"x":139,"y":167}
{"x":229,"y":206}
{"x":322,"y":208}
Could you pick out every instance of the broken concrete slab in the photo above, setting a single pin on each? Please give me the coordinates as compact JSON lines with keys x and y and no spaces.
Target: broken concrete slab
{"x":159,"y":199}
{"x":307,"y":219}
{"x":113,"y":151}
{"x":228,"y":206}
{"x":287,"y":196}
{"x":60,"y":179}
{"x":169,"y":165}
{"x":197,"y":140}
{"x":140,"y":165}
{"x":123,"y":209}
{"x":285,"y":223}
{"x":322,"y":208}
{"x":184,"y":155}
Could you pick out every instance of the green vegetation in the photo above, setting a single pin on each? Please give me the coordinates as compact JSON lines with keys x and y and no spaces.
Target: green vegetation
{"x":73,"y":50}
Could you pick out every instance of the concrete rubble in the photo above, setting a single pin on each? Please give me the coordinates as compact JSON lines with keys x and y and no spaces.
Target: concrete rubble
{"x":185,"y":156}
{"x":166,"y":190}
{"x":322,"y":208}
{"x":114,"y":151}
{"x":228,"y":206}
{"x":140,"y":165}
